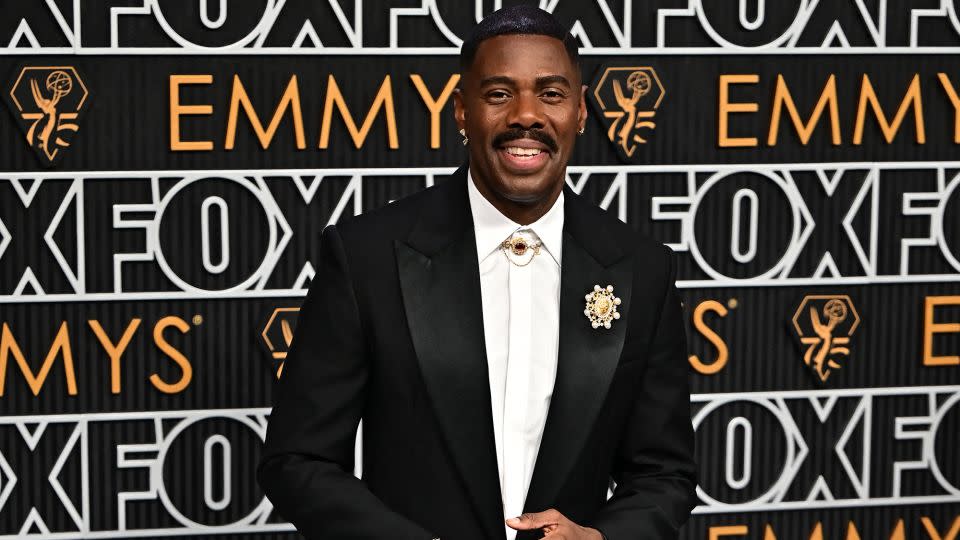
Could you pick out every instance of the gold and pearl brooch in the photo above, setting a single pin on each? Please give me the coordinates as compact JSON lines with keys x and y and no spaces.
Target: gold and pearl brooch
{"x":601,"y":306}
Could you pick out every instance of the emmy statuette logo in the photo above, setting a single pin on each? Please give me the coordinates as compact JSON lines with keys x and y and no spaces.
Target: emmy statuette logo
{"x":627,"y":99}
{"x":277,"y":335}
{"x":824,"y":324}
{"x":47,"y":102}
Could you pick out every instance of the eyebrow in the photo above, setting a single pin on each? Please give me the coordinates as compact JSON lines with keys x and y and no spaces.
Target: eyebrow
{"x":542,"y":81}
{"x":547,"y":80}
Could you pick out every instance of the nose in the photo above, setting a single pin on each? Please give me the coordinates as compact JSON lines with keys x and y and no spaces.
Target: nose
{"x":526,"y":112}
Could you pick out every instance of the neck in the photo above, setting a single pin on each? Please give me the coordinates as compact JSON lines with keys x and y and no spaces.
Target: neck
{"x":521,"y":212}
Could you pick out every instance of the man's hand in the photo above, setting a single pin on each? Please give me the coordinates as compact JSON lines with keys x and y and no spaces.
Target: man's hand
{"x":555,"y":526}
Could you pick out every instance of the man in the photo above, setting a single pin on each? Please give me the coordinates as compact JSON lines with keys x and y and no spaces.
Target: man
{"x":501,"y":382}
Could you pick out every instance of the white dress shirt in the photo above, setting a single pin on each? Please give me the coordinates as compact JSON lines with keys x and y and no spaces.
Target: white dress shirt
{"x":521,"y":323}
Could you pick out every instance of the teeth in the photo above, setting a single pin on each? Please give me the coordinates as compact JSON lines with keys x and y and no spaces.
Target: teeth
{"x":517,"y":151}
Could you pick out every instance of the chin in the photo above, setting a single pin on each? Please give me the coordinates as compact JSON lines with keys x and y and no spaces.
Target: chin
{"x":523,"y":192}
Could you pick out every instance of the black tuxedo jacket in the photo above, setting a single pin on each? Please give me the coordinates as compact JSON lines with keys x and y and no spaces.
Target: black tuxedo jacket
{"x":391,"y":330}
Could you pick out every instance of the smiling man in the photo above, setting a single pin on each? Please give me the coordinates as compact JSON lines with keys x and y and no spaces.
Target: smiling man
{"x":510,"y":347}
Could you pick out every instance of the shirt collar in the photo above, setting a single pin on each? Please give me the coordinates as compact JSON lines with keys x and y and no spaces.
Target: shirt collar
{"x":492,"y":228}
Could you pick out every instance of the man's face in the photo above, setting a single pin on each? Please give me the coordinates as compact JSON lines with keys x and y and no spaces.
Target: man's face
{"x":521,"y":104}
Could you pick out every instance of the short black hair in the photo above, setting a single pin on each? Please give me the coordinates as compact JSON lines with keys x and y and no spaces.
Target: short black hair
{"x":522,"y":19}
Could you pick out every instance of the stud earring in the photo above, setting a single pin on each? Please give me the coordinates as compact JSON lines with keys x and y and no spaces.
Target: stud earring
{"x":581,"y":130}
{"x":466,"y":139}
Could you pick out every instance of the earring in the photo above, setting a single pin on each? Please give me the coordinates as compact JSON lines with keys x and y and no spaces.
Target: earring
{"x":581,"y":130}
{"x":466,"y":139}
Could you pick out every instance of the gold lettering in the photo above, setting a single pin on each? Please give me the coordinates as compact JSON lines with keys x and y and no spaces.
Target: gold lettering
{"x":911,"y":98}
{"x":930,"y":328}
{"x":727,"y":530}
{"x":114,"y":351}
{"x":174,"y":354}
{"x":932,"y":530}
{"x":383,"y":99}
{"x":177,"y":110}
{"x":955,"y":101}
{"x":61,"y":344}
{"x":852,"y":534}
{"x":727,"y":108}
{"x":712,"y":337}
{"x":290,"y":98}
{"x":782,"y":98}
{"x":897,"y":533}
{"x":435,"y":106}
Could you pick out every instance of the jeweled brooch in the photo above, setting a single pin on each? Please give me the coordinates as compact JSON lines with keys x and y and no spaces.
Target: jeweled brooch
{"x":601,"y":306}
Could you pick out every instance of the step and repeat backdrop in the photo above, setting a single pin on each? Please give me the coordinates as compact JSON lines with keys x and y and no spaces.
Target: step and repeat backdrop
{"x":167,"y":166}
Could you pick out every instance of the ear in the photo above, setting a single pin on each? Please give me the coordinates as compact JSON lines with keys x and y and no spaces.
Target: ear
{"x":459,"y":113}
{"x":582,"y":108}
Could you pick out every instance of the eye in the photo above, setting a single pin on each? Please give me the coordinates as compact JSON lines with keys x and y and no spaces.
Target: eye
{"x":552,"y":95}
{"x":497,"y":96}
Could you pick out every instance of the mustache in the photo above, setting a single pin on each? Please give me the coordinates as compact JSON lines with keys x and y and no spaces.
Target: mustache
{"x":532,"y":134}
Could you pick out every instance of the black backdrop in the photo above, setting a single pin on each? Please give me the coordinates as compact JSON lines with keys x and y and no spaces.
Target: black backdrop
{"x":154,"y":247}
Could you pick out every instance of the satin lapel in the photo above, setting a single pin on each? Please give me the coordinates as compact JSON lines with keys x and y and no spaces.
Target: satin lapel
{"x":441,"y":295}
{"x":587,"y":357}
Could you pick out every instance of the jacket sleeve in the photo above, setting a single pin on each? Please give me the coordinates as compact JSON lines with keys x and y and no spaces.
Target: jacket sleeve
{"x":306,"y":467}
{"x":654,"y":466}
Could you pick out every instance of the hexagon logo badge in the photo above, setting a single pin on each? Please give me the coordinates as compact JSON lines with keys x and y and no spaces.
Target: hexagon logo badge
{"x":626,"y":99}
{"x":277,"y":335}
{"x":824,"y":324}
{"x":47,"y":102}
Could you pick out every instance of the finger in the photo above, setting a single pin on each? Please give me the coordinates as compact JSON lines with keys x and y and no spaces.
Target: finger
{"x":535,"y":521}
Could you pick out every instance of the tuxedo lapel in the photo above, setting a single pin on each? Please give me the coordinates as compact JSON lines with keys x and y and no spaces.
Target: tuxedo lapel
{"x":440,"y":284}
{"x":587,"y":357}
